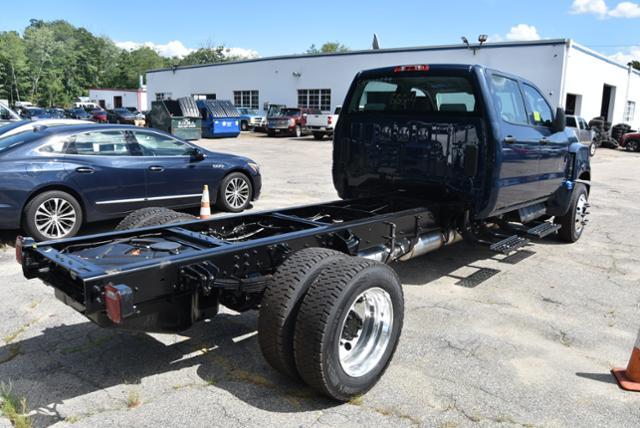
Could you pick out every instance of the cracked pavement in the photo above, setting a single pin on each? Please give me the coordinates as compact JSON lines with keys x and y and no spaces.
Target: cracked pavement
{"x":531,"y":346}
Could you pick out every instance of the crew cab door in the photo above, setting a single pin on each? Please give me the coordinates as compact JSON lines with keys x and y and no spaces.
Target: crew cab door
{"x":520,"y":145}
{"x":174,"y":177}
{"x":553,"y":146}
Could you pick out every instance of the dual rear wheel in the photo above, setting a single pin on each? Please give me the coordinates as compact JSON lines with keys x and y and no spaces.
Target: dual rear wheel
{"x":332,"y":321}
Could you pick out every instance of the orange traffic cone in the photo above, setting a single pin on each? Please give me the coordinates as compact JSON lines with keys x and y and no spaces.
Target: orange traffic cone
{"x":205,"y":209}
{"x":629,"y":379}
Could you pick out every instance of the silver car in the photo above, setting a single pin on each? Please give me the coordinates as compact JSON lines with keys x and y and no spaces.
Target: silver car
{"x":583,"y":131}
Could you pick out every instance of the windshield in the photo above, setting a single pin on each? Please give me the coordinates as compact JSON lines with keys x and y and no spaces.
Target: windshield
{"x":571,"y":122}
{"x":19,"y":138}
{"x":288,"y":112}
{"x":414,"y":94}
{"x":123,"y":111}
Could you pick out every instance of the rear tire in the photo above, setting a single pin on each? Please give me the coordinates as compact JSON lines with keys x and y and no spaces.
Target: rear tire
{"x":592,"y":149}
{"x":573,"y":221}
{"x":61,"y":208}
{"x":281,"y":303}
{"x":152,"y":216}
{"x":318,"y":135}
{"x":348,"y":327}
{"x":244,"y":125}
{"x":271,"y":133}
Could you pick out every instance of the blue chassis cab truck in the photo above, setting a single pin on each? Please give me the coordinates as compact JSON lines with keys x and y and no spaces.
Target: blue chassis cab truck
{"x":423,"y":156}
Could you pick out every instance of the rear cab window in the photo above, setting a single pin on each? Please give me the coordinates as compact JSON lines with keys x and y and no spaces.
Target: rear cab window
{"x":415,"y":94}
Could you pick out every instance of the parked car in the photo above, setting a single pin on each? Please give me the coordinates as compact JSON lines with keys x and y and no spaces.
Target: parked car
{"x":631,"y":141}
{"x":33,"y":113}
{"x":54,"y":180}
{"x":290,"y":121}
{"x":583,"y":131}
{"x":99,"y":115}
{"x":55,"y":113}
{"x":251,"y":119}
{"x":78,"y":113}
{"x":124,"y":116}
{"x":21,"y":126}
{"x":139,"y":115}
{"x":323,"y":124}
{"x":7,"y":115}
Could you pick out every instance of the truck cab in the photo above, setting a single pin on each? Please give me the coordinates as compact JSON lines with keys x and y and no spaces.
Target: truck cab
{"x":485,"y":138}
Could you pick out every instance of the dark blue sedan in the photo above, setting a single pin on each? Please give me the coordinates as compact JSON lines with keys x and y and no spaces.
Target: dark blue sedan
{"x":53,"y":180}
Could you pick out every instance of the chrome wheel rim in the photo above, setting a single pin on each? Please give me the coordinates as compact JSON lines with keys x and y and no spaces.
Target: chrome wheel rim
{"x":366,"y":332}
{"x":55,"y":218}
{"x":581,"y":213}
{"x":237,"y":192}
{"x":592,"y":150}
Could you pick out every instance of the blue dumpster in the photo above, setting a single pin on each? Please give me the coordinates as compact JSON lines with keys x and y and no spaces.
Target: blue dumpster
{"x":220,"y":118}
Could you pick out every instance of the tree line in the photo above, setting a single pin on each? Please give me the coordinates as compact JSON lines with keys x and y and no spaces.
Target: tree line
{"x":52,"y":63}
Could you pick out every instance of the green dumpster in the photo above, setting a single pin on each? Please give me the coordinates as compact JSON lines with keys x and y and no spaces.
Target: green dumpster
{"x":179,"y":117}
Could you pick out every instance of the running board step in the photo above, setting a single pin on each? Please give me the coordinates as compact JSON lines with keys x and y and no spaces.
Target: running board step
{"x":509,"y":245}
{"x":543,"y":230}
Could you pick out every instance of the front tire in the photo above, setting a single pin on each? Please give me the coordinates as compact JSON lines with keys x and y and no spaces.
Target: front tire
{"x":633,"y":146}
{"x":271,"y":133}
{"x":348,"y":327}
{"x":52,"y":215}
{"x":574,"y":221}
{"x":592,"y":149}
{"x":244,"y":125}
{"x":298,"y":131}
{"x":235,"y":193}
{"x":318,"y":135}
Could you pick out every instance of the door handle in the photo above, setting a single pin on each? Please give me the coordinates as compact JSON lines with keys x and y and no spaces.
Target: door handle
{"x":544,"y":141}
{"x":510,"y":139}
{"x":84,"y":170}
{"x":156,"y":168}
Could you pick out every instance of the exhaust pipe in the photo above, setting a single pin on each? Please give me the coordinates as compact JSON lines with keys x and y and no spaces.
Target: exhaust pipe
{"x":405,"y":251}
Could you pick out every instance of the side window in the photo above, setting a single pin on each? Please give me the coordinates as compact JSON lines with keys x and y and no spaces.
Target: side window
{"x":58,"y":147}
{"x":571,"y":122}
{"x":539,"y":111}
{"x":153,"y":144}
{"x":508,"y":100}
{"x":99,"y":143}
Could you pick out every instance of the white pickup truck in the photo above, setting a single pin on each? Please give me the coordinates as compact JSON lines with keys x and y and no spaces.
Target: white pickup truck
{"x":322,"y":124}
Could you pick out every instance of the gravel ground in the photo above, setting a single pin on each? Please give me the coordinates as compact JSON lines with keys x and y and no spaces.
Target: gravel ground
{"x":533,"y":345}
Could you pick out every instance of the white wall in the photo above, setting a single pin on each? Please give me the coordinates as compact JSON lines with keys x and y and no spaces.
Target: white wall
{"x":131,"y":98}
{"x":587,"y":73}
{"x":540,"y":63}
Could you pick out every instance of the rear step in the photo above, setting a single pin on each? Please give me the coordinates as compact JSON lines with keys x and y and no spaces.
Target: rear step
{"x":509,"y":245}
{"x":543,"y":230}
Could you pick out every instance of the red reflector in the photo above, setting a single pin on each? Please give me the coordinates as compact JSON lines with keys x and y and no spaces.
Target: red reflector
{"x":329,"y":120}
{"x":112,"y":301}
{"x":422,"y":67}
{"x":19,"y":243}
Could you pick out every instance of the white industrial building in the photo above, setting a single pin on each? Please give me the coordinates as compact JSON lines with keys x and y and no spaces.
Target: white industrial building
{"x":116,"y":98}
{"x":583,"y":81}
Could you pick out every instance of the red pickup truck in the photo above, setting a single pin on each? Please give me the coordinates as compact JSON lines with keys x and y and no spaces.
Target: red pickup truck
{"x":290,"y":121}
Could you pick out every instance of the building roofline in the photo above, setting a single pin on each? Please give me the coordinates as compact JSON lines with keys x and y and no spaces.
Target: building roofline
{"x":601,"y":57}
{"x":373,"y":52}
{"x":117,"y":90}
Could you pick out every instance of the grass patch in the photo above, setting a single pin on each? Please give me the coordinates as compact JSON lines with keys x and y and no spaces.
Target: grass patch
{"x":14,"y":335}
{"x":357,"y":400}
{"x":133,"y":399}
{"x":72,"y":419}
{"x":13,"y":408}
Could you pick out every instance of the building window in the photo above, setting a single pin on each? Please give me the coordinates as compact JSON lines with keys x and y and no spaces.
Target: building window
{"x":203,"y":96}
{"x":248,"y":99}
{"x":629,"y":112}
{"x":315,"y":98}
{"x":160,"y":96}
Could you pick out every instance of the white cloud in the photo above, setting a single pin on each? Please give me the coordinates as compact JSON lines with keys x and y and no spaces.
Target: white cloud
{"x":241,"y":52}
{"x":522,"y":32}
{"x":177,"y":48}
{"x":598,"y":7}
{"x":517,"y":33}
{"x":625,"y":9}
{"x":171,"y":49}
{"x":631,"y":54}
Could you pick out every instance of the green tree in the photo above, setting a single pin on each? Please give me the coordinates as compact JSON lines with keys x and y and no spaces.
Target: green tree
{"x":328,"y":47}
{"x":13,"y":66}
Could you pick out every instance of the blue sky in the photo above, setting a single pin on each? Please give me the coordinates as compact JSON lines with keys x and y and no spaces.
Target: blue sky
{"x":283,"y":27}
